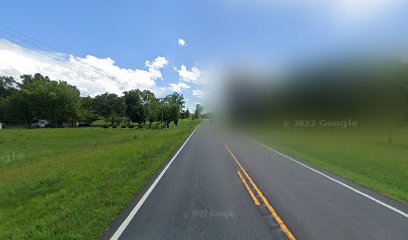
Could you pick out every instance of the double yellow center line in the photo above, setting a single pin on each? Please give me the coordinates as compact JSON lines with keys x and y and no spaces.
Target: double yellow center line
{"x":249,"y":189}
{"x":260,"y":194}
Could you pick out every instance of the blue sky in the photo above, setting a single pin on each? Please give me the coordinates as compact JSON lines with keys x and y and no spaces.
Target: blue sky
{"x":217,"y":33}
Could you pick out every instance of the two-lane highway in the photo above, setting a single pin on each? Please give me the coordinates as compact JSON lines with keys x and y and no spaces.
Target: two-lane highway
{"x":220,"y":186}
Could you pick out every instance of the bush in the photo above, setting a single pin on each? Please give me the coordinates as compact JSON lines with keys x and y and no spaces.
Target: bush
{"x":114,"y":126}
{"x":131,"y":126}
{"x":99,"y":123}
{"x":123,"y":126}
{"x":105,"y":126}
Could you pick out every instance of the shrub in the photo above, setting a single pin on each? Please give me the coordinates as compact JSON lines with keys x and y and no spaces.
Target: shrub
{"x":131,"y":126}
{"x":123,"y":126}
{"x":105,"y":126}
{"x":114,"y":126}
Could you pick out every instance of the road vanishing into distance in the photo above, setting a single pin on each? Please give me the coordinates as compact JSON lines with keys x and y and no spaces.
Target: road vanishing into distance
{"x":223,"y":186}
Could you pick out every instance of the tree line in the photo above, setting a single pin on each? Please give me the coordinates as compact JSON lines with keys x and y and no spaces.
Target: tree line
{"x":38,"y":97}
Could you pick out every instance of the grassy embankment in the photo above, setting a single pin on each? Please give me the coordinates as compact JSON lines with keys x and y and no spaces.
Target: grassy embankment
{"x":360,"y":155}
{"x":71,"y":183}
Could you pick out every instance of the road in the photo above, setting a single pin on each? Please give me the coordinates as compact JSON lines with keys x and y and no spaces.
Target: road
{"x":223,"y":186}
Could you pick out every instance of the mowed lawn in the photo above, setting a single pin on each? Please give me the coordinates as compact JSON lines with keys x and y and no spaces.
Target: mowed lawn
{"x":360,"y":155}
{"x":71,"y":183}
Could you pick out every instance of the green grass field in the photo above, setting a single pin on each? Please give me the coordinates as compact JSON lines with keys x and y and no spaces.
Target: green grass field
{"x":71,"y":183}
{"x":360,"y":155}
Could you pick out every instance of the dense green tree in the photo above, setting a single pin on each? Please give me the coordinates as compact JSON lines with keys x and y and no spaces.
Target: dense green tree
{"x":151,"y":106}
{"x":15,"y":108}
{"x":134,"y":106}
{"x":176,"y":98}
{"x":8,"y":86}
{"x":110,"y":106}
{"x":41,"y":98}
{"x":172,"y":105}
{"x":185,"y":114}
{"x":88,"y":113}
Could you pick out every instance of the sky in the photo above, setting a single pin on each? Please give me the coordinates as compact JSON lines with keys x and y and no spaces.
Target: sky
{"x":167,"y":46}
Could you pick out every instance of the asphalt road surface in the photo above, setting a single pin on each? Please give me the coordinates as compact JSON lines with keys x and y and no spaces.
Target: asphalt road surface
{"x":224,"y":186}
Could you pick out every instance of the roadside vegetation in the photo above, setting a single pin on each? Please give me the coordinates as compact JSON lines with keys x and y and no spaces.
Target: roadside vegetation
{"x":71,"y":183}
{"x":363,"y":156}
{"x":37,"y":97}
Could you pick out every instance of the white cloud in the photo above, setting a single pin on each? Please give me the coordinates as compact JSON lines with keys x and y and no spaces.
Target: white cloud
{"x":159,"y":62}
{"x":201,"y":94}
{"x":189,"y":76}
{"x":90,"y":74}
{"x":178,"y":87}
{"x":181,"y":42}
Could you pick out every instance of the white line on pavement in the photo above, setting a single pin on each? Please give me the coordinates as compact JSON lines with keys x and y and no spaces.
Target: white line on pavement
{"x":129,"y":218}
{"x":335,"y":180}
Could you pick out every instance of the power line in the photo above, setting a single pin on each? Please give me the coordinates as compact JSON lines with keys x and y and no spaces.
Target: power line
{"x":61,"y":63}
{"x":91,"y":68}
{"x":39,"y":45}
{"x":56,"y":61}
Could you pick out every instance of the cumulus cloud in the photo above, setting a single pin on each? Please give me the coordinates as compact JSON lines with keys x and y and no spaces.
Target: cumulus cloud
{"x":201,"y":94}
{"x":179,"y":87}
{"x":90,"y":74}
{"x":159,"y":62}
{"x":181,"y":42}
{"x":187,"y":75}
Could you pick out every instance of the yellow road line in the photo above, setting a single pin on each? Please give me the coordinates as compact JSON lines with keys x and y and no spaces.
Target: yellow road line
{"x":270,"y":208}
{"x":249,"y":189}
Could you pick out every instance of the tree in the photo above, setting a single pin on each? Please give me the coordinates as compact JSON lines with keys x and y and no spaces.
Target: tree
{"x":8,"y":87}
{"x":198,"y":111}
{"x":135,"y":109}
{"x":41,"y":98}
{"x":110,"y":106}
{"x":172,"y":105}
{"x":151,"y":106}
{"x":88,"y":113}
{"x":185,"y":114}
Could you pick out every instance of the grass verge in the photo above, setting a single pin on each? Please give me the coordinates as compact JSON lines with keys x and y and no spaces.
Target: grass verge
{"x":72,"y":183}
{"x":360,"y":155}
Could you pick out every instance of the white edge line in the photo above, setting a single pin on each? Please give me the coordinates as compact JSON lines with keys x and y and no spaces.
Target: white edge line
{"x":129,"y":218}
{"x":335,"y":180}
